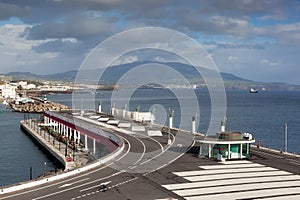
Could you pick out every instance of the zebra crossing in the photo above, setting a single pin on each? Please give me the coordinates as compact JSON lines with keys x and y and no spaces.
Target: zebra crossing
{"x":237,"y":180}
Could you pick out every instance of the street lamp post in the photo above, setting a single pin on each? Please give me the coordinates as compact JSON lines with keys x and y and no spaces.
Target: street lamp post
{"x":171,"y":112}
{"x":286,"y":137}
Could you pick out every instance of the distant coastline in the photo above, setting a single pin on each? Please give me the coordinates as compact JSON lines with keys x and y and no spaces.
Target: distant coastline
{"x":112,"y":74}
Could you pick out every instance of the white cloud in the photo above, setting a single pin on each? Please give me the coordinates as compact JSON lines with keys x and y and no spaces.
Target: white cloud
{"x":125,"y":59}
{"x":18,"y":54}
{"x":268,"y":62}
{"x":264,"y":61}
{"x":232,"y":58}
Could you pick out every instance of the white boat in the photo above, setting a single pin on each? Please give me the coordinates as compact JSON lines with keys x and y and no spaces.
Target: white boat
{"x":252,"y":90}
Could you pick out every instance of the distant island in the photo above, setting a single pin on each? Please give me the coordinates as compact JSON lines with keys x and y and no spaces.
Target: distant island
{"x":113,"y":73}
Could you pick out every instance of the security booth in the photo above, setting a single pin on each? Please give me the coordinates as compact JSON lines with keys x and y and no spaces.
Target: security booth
{"x":225,"y":145}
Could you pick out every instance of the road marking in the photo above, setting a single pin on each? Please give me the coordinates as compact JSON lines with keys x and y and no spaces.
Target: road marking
{"x":235,"y":162}
{"x":208,"y":167}
{"x":224,"y":171}
{"x":213,"y":183}
{"x":86,"y":189}
{"x":250,"y":194}
{"x":162,"y":148}
{"x":163,"y":151}
{"x":233,"y":188}
{"x":132,"y":167}
{"x":95,"y":192}
{"x":144,"y":151}
{"x":71,"y":188}
{"x":69,"y":184}
{"x":222,"y":182}
{"x":235,"y":175}
{"x":285,"y":197}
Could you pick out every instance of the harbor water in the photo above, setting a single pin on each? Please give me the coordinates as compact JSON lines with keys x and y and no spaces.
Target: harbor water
{"x":263,"y":114}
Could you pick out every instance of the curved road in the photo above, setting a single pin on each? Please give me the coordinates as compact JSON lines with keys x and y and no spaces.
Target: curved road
{"x":130,"y":169}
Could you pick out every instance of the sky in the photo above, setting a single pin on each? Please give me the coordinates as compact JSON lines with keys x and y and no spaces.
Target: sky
{"x":254,"y":39}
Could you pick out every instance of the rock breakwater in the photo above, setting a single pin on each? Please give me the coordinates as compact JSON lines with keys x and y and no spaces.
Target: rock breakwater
{"x":37,"y":107}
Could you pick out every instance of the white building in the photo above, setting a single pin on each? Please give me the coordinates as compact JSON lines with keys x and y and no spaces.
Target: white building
{"x":23,"y":84}
{"x":30,"y":86}
{"x":9,"y":92}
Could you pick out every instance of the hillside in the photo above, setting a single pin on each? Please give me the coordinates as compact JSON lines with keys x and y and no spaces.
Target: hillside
{"x":114,"y":73}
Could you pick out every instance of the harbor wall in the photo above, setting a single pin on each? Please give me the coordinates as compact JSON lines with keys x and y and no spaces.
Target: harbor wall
{"x":43,"y":143}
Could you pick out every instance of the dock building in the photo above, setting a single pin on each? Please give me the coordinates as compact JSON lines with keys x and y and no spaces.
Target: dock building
{"x":225,"y":145}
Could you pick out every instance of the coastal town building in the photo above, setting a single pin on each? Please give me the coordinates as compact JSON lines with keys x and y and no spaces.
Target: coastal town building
{"x":8,"y":91}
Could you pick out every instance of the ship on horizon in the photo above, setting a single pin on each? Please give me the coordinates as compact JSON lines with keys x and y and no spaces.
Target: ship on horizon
{"x":252,"y":90}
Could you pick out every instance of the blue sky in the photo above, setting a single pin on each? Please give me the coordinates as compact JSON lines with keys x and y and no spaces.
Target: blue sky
{"x":254,"y":39}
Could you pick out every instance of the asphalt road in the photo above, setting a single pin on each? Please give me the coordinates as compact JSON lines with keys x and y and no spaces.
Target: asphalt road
{"x":142,"y":170}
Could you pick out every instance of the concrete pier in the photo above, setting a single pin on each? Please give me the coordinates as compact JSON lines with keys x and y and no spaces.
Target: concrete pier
{"x":51,"y":145}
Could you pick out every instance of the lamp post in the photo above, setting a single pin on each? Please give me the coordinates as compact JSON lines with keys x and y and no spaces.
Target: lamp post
{"x":286,"y":137}
{"x":171,"y":112}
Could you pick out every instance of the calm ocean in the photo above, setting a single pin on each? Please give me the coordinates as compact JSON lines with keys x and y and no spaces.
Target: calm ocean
{"x":263,"y":114}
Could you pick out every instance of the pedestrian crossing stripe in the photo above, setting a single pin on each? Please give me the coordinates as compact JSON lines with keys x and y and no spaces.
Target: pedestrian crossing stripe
{"x":237,"y":180}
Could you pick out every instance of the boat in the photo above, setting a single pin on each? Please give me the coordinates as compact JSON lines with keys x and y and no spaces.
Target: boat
{"x":252,"y":90}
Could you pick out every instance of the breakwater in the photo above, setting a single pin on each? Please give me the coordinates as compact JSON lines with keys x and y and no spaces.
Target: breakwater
{"x":37,"y":106}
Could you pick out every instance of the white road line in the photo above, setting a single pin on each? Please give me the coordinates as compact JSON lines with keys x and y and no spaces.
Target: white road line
{"x":144,"y":151}
{"x":233,"y":188}
{"x":288,"y":197}
{"x":224,"y":171}
{"x":180,"y":186}
{"x":72,"y":183}
{"x":89,"y":188}
{"x":234,"y":162}
{"x":63,"y":181}
{"x":238,"y":175}
{"x":129,"y":147}
{"x":146,"y":136}
{"x":238,"y":179}
{"x":160,"y":152}
{"x":88,"y":174}
{"x":116,"y":185}
{"x":54,"y":184}
{"x":249,"y":195}
{"x":208,"y":167}
{"x":77,"y":186}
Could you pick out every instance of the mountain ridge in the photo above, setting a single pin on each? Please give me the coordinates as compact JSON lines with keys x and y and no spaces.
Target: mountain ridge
{"x":113,"y":73}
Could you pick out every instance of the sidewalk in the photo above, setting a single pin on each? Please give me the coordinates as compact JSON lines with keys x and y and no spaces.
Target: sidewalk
{"x":55,"y":146}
